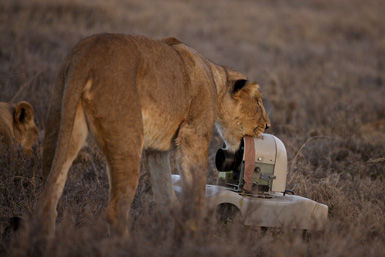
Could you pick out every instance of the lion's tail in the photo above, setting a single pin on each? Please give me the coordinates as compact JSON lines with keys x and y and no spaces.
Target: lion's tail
{"x":73,"y":83}
{"x":73,"y":88}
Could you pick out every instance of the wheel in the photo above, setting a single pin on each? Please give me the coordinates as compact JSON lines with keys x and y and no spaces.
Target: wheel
{"x":228,"y":214}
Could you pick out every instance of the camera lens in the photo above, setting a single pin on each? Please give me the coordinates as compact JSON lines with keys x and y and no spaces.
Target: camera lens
{"x":229,"y":161}
{"x":224,"y":160}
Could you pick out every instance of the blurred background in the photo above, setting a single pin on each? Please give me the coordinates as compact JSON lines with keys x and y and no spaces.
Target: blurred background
{"x":321,"y":68}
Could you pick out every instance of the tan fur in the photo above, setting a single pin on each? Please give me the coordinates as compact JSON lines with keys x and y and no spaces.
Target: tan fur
{"x":134,"y":93}
{"x":17,"y":125}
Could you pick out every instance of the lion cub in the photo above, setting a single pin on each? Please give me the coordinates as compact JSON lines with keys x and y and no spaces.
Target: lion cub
{"x":17,"y":125}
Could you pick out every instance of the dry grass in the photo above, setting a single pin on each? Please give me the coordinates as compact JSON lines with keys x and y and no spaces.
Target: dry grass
{"x":321,"y":66}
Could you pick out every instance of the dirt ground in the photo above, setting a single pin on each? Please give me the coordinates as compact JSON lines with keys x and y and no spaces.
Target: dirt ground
{"x":321,"y":67}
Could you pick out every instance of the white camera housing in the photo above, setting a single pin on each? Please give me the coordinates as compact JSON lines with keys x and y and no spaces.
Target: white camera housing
{"x":270,"y":162}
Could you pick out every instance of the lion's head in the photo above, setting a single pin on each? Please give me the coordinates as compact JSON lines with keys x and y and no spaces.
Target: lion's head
{"x":17,"y":124}
{"x":241,"y":111}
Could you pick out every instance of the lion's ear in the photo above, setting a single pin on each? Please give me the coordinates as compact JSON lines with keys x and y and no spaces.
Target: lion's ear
{"x":253,"y":90}
{"x":245,"y":88}
{"x":238,"y":85}
{"x":236,"y":80}
{"x":233,"y":75}
{"x":23,"y":114}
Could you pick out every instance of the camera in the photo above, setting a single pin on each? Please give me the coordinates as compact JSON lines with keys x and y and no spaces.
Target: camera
{"x":252,"y":184}
{"x":259,"y":166}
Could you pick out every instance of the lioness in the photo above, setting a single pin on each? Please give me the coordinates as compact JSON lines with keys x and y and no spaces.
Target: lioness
{"x":17,"y":124}
{"x":133,"y":93}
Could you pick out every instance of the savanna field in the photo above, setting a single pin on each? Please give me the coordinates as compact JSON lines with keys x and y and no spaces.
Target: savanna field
{"x":321,"y":68}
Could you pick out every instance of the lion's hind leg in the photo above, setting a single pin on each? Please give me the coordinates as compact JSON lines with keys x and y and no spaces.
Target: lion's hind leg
{"x":121,"y":142}
{"x":123,"y":152}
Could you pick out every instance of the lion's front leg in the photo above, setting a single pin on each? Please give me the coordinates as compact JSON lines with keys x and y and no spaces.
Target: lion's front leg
{"x":192,"y":157}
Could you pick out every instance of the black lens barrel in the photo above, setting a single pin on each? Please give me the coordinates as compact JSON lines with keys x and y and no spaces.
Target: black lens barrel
{"x":225,"y":160}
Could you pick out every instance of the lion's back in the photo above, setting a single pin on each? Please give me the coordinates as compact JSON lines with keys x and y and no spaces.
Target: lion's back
{"x":164,"y":79}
